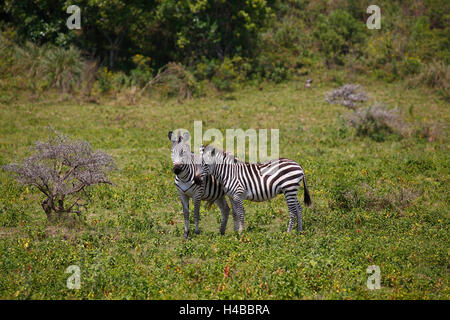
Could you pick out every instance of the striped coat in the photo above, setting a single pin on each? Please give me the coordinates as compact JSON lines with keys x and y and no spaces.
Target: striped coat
{"x":257,"y":182}
{"x":191,"y":186}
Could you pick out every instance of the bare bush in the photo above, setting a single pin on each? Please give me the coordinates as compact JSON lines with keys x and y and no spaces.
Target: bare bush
{"x":377,"y":121}
{"x":349,"y":95}
{"x":62,"y":170}
{"x":431,"y":131}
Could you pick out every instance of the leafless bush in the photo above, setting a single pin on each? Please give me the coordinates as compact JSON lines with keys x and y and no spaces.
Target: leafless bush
{"x":349,"y":95}
{"x":62,"y":170}
{"x":431,"y":131}
{"x":377,"y":121}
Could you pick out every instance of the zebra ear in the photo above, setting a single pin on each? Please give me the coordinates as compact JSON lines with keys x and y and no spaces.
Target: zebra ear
{"x":170,"y":135}
{"x":186,"y":136}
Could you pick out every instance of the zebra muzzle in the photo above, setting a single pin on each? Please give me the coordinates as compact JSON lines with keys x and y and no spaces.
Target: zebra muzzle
{"x":177,"y":168}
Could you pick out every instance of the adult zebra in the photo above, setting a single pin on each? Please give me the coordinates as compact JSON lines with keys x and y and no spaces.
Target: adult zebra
{"x":189,"y":184}
{"x":256,"y":182}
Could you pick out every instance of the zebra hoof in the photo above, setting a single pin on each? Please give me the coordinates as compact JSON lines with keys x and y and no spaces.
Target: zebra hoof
{"x":197,"y":231}
{"x":186,"y":234}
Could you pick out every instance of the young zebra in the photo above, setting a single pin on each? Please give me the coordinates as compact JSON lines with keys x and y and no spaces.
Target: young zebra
{"x":190,"y":185}
{"x":256,"y":182}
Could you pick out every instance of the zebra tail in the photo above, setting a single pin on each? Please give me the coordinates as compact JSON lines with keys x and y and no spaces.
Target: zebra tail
{"x":306,"y":197}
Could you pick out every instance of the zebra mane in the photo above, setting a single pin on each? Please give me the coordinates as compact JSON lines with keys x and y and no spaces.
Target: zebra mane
{"x":226,"y":154}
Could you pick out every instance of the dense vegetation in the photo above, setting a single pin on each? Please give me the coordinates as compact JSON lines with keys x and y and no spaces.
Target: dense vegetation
{"x":122,"y":44}
{"x":370,"y":129}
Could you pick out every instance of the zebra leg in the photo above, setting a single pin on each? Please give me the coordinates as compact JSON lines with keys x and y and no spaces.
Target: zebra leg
{"x":225,"y":209}
{"x":235,"y":216}
{"x":197,"y":202}
{"x":185,"y":203}
{"x":238,"y":210}
{"x":299,"y":217}
{"x":291,"y":200}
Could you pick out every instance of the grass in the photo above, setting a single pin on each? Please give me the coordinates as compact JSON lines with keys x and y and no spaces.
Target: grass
{"x":374,"y":203}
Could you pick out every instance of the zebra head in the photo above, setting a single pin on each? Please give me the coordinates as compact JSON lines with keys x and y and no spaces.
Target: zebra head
{"x":180,"y":151}
{"x":209,"y":156}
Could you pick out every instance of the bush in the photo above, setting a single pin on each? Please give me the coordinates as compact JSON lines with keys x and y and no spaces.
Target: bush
{"x":337,"y":34}
{"x":63,"y":68}
{"x":377,"y":122}
{"x":436,"y":75}
{"x":143,"y":73}
{"x":348,"y":196}
{"x":174,"y":80}
{"x":348,"y":95}
{"x":105,"y":80}
{"x":62,"y":170}
{"x":431,"y":131}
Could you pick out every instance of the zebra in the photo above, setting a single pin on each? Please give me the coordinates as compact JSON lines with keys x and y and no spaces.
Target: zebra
{"x":189,"y":184}
{"x":256,"y":182}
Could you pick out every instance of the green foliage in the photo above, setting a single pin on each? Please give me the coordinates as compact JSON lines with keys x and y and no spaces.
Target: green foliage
{"x":338,"y":34}
{"x":62,"y":67}
{"x":143,"y":73}
{"x":436,"y":75}
{"x":105,"y":79}
{"x":228,"y":41}
{"x":382,"y":203}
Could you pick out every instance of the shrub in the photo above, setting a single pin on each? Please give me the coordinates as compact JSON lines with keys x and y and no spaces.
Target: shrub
{"x":348,"y":95}
{"x":348,"y":196}
{"x":88,"y":76}
{"x":62,"y":170}
{"x":175,"y":80}
{"x":63,"y":68}
{"x":431,"y":131}
{"x":30,"y":56}
{"x":337,"y":34}
{"x":105,"y":80}
{"x":143,"y":73}
{"x":436,"y":75}
{"x":377,"y":122}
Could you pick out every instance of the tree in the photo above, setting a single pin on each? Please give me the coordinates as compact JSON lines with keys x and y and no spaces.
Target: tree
{"x":338,"y":34}
{"x":62,"y":170}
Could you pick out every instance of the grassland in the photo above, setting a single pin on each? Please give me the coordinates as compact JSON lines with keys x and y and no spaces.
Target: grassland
{"x":374,"y":203}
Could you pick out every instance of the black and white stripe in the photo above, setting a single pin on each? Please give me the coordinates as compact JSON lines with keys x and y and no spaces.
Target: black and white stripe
{"x":257,"y":182}
{"x":190,"y":185}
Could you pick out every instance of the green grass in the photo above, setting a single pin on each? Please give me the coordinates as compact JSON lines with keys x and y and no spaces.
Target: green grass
{"x":374,"y":203}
